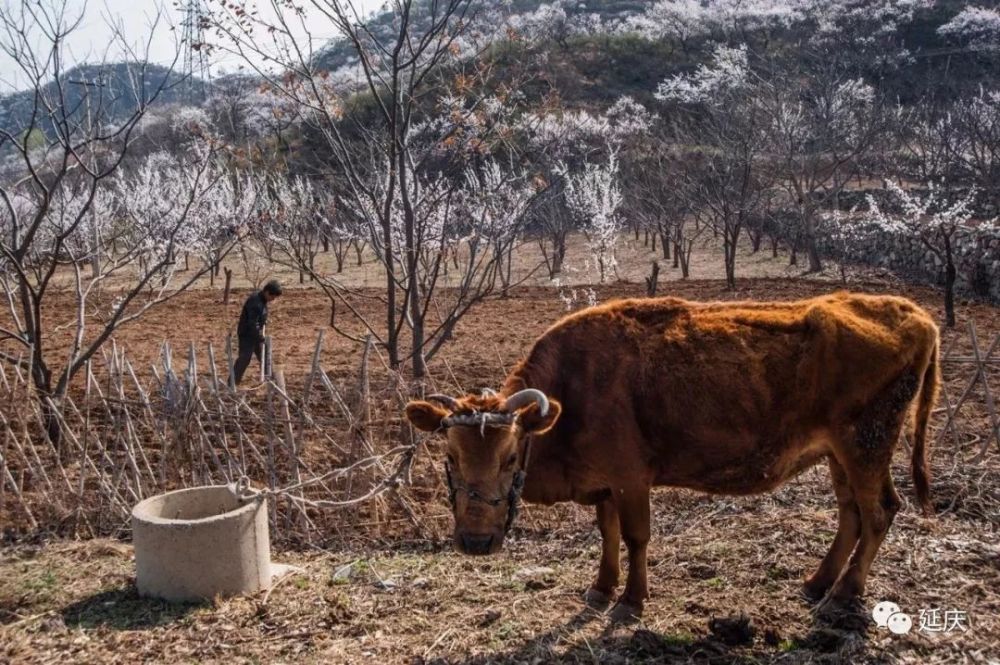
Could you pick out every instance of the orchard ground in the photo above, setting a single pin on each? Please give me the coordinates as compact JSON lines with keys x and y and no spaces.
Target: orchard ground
{"x":383,"y":593}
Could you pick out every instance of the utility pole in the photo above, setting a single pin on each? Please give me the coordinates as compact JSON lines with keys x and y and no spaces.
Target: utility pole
{"x":195,"y":65}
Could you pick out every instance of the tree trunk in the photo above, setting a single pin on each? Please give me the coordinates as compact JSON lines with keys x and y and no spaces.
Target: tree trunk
{"x":505,"y":272}
{"x":558,"y":253}
{"x":392,"y":338}
{"x":53,"y":428}
{"x":730,"y":261}
{"x":95,"y":259}
{"x":651,"y":281}
{"x":812,"y":248}
{"x":229,"y":280}
{"x":731,"y":237}
{"x":949,"y":285}
{"x":815,"y":264}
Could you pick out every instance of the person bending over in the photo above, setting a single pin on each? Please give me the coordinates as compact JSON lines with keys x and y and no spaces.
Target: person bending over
{"x":250,"y":330}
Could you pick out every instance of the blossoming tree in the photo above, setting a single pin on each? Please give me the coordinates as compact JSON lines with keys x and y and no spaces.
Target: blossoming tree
{"x":934,"y":218}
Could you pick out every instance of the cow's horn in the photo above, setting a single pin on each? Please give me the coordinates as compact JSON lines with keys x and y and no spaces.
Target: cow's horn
{"x":527,"y":396}
{"x":488,"y":392}
{"x":445,"y":400}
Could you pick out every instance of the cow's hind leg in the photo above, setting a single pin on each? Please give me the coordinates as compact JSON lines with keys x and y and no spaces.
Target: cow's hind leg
{"x":601,"y":591}
{"x":633,"y":514}
{"x":867,"y":463}
{"x":878,"y":506}
{"x":848,"y":532}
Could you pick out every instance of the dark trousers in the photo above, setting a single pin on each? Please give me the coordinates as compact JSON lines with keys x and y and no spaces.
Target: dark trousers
{"x":248,"y":349}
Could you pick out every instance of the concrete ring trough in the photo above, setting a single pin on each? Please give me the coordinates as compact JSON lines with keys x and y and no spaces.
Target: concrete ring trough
{"x":195,"y":544}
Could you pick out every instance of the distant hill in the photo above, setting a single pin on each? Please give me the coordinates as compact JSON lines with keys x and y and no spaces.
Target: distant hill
{"x":114,"y":89}
{"x":595,"y":69}
{"x":585,"y":70}
{"x":339,"y":53}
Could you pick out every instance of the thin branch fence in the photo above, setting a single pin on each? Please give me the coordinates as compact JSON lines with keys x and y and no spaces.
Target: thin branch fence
{"x":317,"y":450}
{"x":332,"y":456}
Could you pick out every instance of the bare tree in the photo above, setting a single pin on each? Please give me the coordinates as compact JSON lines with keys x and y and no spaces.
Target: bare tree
{"x":723,"y":180}
{"x":821,"y":124}
{"x":654,"y":182}
{"x":551,"y":223}
{"x":68,"y":202}
{"x":974,"y":148}
{"x":382,"y":155}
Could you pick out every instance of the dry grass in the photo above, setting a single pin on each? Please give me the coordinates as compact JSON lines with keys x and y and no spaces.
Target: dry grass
{"x":406,"y":602}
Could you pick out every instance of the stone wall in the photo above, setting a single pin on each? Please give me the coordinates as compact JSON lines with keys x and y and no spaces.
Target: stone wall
{"x":977,"y":259}
{"x":977,"y":251}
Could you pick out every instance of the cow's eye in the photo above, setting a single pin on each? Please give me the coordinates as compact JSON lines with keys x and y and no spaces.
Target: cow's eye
{"x":451,"y":460}
{"x":510,"y":461}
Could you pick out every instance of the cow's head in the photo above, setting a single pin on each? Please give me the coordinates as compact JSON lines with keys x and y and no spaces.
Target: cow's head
{"x":487,"y":453}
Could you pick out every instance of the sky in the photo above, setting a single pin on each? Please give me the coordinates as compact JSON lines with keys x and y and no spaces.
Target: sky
{"x":91,"y":39}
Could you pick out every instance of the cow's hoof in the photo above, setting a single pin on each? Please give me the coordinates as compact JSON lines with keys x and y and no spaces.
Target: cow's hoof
{"x":842,"y":613}
{"x":625,"y":613}
{"x":597,"y":600}
{"x":814,"y":593}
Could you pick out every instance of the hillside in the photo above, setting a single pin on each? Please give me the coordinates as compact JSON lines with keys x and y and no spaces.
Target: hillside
{"x":593,"y":53}
{"x":339,"y":53}
{"x":114,"y":90}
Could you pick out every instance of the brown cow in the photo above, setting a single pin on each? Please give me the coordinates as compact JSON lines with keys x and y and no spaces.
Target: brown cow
{"x":727,"y":398}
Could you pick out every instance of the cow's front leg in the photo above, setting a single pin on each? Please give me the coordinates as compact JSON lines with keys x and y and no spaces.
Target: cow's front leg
{"x":633,"y":514}
{"x":601,"y":591}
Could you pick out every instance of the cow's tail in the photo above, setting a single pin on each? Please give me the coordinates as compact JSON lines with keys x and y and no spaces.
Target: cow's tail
{"x":925,"y":404}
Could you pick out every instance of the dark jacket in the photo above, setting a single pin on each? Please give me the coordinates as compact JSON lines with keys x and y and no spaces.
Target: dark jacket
{"x":252,"y":319}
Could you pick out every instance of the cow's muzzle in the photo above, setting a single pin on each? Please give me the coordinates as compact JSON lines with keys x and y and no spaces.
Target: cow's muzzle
{"x":476,"y":544}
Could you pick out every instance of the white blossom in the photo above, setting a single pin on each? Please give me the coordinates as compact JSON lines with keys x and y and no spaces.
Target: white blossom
{"x":189,"y":119}
{"x":728,"y":70}
{"x":979,"y":26}
{"x":171,"y":206}
{"x":681,"y":20}
{"x":919,"y":215}
{"x":493,"y":201}
{"x":594,"y":197}
{"x":552,"y":22}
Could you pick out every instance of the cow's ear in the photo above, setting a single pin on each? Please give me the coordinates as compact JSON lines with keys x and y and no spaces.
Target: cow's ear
{"x":425,"y":416}
{"x":534,"y":423}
